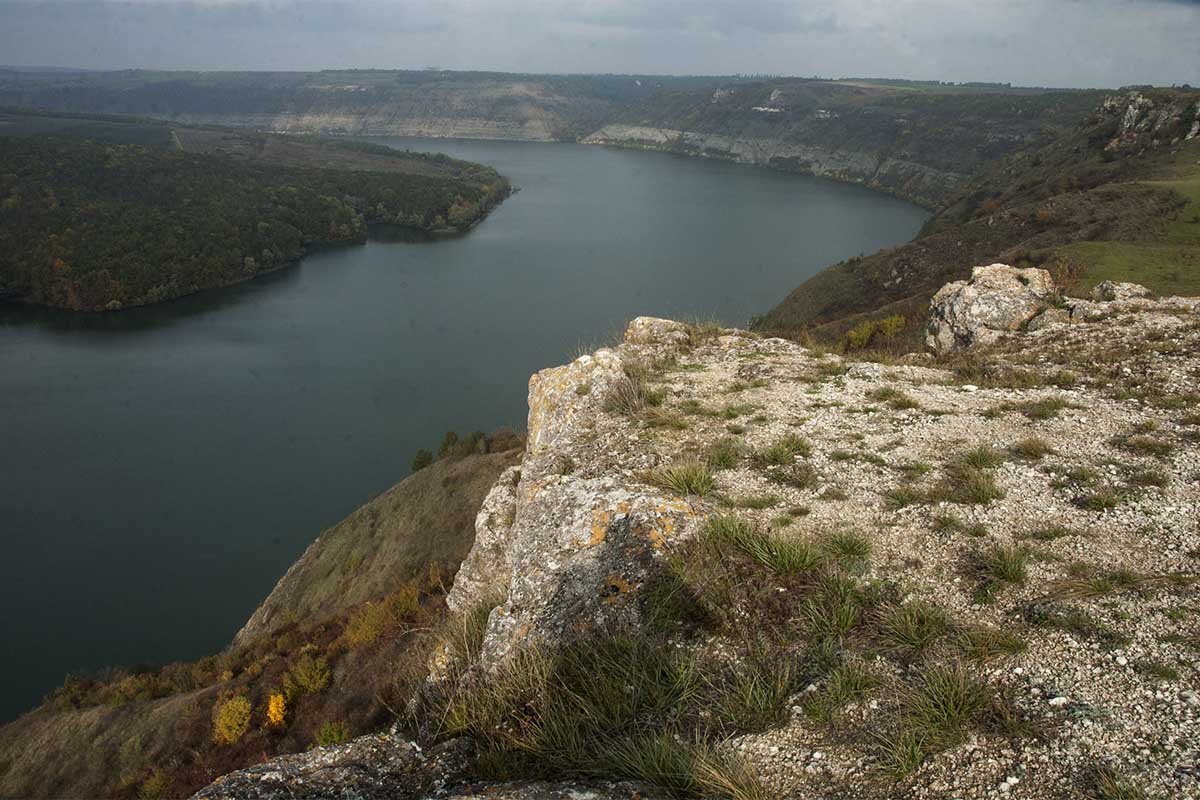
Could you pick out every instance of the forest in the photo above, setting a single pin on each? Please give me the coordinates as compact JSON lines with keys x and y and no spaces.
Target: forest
{"x":92,"y":226}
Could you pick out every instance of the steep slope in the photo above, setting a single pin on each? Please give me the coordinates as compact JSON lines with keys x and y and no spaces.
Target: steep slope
{"x":924,"y":142}
{"x":1122,"y":182}
{"x":358,"y":604}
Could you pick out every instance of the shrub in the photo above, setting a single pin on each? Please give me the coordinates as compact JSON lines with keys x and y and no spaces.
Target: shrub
{"x":155,"y":786}
{"x":422,"y":459}
{"x":366,"y":624}
{"x":276,"y":710}
{"x":332,"y":732}
{"x":874,"y":332}
{"x":307,"y":676}
{"x":231,"y":718}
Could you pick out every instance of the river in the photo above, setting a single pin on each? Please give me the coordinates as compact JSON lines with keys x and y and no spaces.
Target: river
{"x":161,"y":467}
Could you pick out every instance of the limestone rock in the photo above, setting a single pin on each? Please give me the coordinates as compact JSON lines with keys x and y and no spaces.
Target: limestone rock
{"x":1117,"y":290}
{"x":367,"y":768}
{"x":486,"y":567}
{"x":579,"y":551}
{"x":562,"y":396}
{"x":1051,"y":316}
{"x":996,"y":300}
{"x":654,"y":331}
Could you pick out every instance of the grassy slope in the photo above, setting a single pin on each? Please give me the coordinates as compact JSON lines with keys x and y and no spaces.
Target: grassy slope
{"x":108,"y":738}
{"x":1124,"y":217}
{"x":429,"y":517}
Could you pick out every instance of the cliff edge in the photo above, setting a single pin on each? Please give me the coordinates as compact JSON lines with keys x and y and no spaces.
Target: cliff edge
{"x":731,"y":566}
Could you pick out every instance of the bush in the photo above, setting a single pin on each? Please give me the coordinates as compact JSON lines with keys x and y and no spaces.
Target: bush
{"x":421,"y":460}
{"x":333,"y":732}
{"x":874,"y":332}
{"x":307,"y":676}
{"x":231,"y":718}
{"x":276,"y":710}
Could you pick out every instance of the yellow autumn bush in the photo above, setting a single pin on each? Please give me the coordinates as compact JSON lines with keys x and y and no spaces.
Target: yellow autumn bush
{"x":231,"y":718}
{"x":276,"y":710}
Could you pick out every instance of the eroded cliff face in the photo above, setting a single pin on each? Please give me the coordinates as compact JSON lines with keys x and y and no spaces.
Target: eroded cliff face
{"x":1014,"y":531}
{"x":920,"y":183}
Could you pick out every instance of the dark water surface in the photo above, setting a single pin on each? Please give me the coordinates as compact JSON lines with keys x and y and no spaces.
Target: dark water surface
{"x":160,"y":468}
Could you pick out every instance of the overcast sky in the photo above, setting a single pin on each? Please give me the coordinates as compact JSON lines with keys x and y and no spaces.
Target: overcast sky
{"x":1031,"y":42}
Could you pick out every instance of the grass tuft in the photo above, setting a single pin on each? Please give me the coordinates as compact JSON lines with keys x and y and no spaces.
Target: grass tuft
{"x":686,"y":478}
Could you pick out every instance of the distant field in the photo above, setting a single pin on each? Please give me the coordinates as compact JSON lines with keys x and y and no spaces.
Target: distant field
{"x":1166,"y":260}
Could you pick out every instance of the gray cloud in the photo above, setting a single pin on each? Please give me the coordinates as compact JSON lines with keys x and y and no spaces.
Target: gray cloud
{"x":1043,"y":42}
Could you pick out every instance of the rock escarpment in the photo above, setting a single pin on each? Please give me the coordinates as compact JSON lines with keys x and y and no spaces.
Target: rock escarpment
{"x":1016,"y":535}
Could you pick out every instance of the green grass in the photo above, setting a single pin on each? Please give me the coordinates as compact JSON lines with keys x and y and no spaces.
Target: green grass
{"x":895,"y":398}
{"x":756,"y":501}
{"x":995,"y":567}
{"x":847,"y":548}
{"x":1144,"y":445}
{"x":1050,"y":533}
{"x":912,"y":627}
{"x":686,"y":478}
{"x":783,"y":555}
{"x":799,"y":475}
{"x":1031,"y":448}
{"x":983,"y":643}
{"x":847,"y":683}
{"x":1105,"y":498}
{"x":1106,"y":783}
{"x":982,"y":457}
{"x":725,"y":454}
{"x":785,"y":451}
{"x":966,"y":485}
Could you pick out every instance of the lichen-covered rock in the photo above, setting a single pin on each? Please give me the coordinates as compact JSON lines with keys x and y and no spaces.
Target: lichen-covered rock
{"x":1117,"y":290}
{"x":541,"y":790}
{"x":559,"y":397}
{"x":996,"y":300}
{"x":580,"y":550}
{"x":367,"y":768}
{"x":654,"y":331}
{"x":486,"y":568}
{"x":1051,"y":316}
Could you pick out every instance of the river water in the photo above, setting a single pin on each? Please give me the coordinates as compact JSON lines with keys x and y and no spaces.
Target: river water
{"x":160,"y":468}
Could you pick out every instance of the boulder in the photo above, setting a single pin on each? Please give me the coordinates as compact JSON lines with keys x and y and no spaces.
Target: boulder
{"x":368,"y":768}
{"x":997,"y":299}
{"x":1051,"y":316}
{"x":1109,"y":291}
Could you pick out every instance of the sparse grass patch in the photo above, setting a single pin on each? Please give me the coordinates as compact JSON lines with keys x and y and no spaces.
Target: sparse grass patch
{"x":846,"y":547}
{"x":757,"y":501}
{"x":834,"y":494}
{"x":1044,"y":409}
{"x":966,"y":485}
{"x":984,"y":643}
{"x":895,"y":398}
{"x":848,"y":682}
{"x":996,"y":567}
{"x":1106,"y":783}
{"x":981,"y":457}
{"x":1157,"y":671}
{"x":1149,"y":477}
{"x":784,"y":555}
{"x":798,"y":474}
{"x":1074,"y":621}
{"x":785,"y":451}
{"x":1144,"y":445}
{"x":662,"y":418}
{"x":902,"y":496}
{"x":1104,"y":498}
{"x":724,"y":454}
{"x":1031,"y":448}
{"x":689,"y":477}
{"x":912,"y":627}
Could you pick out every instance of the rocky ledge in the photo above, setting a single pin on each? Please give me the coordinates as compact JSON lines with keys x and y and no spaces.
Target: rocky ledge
{"x":970,"y":575}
